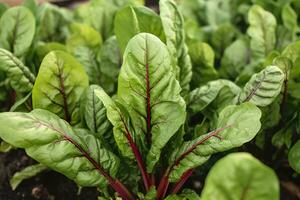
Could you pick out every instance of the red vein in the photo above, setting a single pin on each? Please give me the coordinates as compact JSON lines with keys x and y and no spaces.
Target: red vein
{"x":148,"y":96}
{"x":63,"y":93}
{"x":115,"y":184}
{"x":139,"y":159}
{"x":182,"y":181}
{"x":163,"y":185}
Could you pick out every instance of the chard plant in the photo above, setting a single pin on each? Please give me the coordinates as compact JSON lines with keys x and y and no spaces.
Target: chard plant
{"x":137,"y":103}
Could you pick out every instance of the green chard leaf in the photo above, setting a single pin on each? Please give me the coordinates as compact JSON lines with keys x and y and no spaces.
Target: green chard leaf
{"x":203,"y":59}
{"x":83,"y":43}
{"x":294,"y":157}
{"x":79,"y":155}
{"x":243,"y":174}
{"x":59,"y":85}
{"x":19,"y":76}
{"x":235,"y":58}
{"x":201,"y":97}
{"x":262,"y":32}
{"x":132,"y":20}
{"x":19,"y":30}
{"x":93,"y":114}
{"x":237,"y":124}
{"x":263,"y":87}
{"x":173,"y":26}
{"x":150,"y":92}
{"x":26,"y":173}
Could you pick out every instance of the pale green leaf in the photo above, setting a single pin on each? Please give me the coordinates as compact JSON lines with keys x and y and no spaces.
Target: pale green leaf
{"x":26,"y":173}
{"x":263,"y":87}
{"x":52,"y":141}
{"x":242,"y":177}
{"x":237,"y":124}
{"x":59,"y":85}
{"x":150,"y":92}
{"x":132,"y":20}
{"x":262,"y":32}
{"x":19,"y":30}
{"x":19,"y":76}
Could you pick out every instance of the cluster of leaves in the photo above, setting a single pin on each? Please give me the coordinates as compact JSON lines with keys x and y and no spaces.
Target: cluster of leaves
{"x":118,"y":97}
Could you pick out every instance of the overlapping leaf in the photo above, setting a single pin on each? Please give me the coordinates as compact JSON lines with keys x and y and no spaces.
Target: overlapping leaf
{"x":150,"y":92}
{"x":59,"y":85}
{"x":52,"y":141}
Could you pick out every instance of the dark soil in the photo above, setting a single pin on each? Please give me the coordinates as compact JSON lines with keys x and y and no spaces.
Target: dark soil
{"x":48,"y":185}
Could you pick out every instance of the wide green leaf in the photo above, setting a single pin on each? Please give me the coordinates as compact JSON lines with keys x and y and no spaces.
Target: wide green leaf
{"x":26,"y":173}
{"x":262,"y":32}
{"x":52,"y":141}
{"x":243,"y":177}
{"x":201,"y":97}
{"x":237,"y":124}
{"x":19,"y":76}
{"x":263,"y":87}
{"x":294,"y":157}
{"x":132,"y":20}
{"x":150,"y":92}
{"x":17,"y":30}
{"x":173,"y":26}
{"x":59,"y":85}
{"x":203,"y":59}
{"x":235,"y":58}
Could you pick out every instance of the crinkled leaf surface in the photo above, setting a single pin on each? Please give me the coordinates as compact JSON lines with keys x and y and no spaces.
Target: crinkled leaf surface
{"x":132,"y":20}
{"x":240,"y":176}
{"x":173,"y":26}
{"x":120,"y":120}
{"x":237,"y":124}
{"x":262,"y":31}
{"x":150,"y":92}
{"x":94,"y":113}
{"x":20,"y":77}
{"x":53,"y":142}
{"x":59,"y":85}
{"x":263,"y":87}
{"x":19,"y":30}
{"x":294,"y":157}
{"x":201,"y":97}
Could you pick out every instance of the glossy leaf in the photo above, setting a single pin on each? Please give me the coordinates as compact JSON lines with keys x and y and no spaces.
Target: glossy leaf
{"x":203,"y":59}
{"x":52,"y":141}
{"x":173,"y":26}
{"x":237,"y":124}
{"x":263,"y":87}
{"x":262,"y":31}
{"x":59,"y":85}
{"x":19,"y":30}
{"x":26,"y":173}
{"x":20,"y":77}
{"x":243,"y":174}
{"x":147,"y":86}
{"x":201,"y":97}
{"x":131,"y":20}
{"x":294,"y":157}
{"x":94,"y":113}
{"x":235,"y":58}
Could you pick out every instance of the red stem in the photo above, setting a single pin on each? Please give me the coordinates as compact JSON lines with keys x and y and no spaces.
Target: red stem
{"x":115,"y":184}
{"x":182,"y":181}
{"x":163,"y":185}
{"x":139,"y":159}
